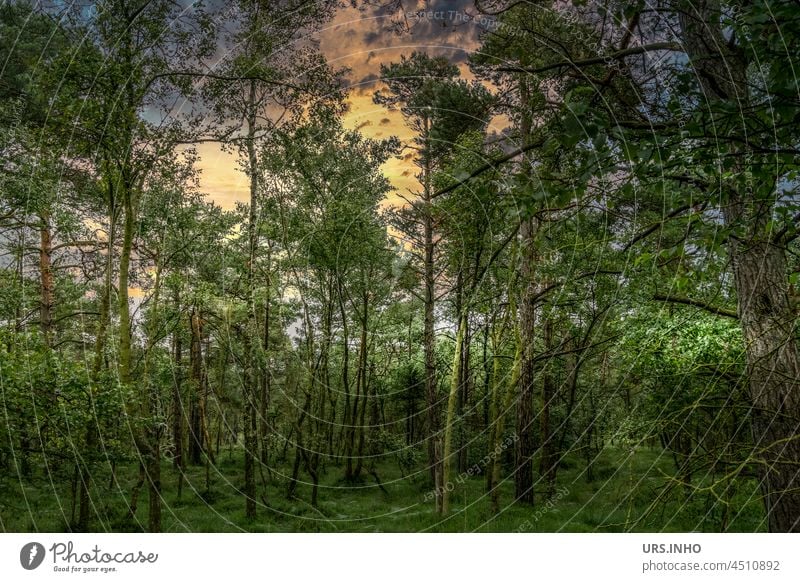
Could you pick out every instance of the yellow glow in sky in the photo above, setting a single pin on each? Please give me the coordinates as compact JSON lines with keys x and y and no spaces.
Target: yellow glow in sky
{"x":360,"y":41}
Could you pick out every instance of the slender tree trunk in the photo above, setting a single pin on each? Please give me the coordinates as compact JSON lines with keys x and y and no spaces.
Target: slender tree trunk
{"x":19,"y":267}
{"x":177,"y":400}
{"x":196,"y":374}
{"x":347,"y":420}
{"x":547,"y":457}
{"x":145,"y":449}
{"x":99,"y":361}
{"x":323,"y":428}
{"x":251,"y":382}
{"x":451,"y":407}
{"x":250,"y":448}
{"x":524,"y":446}
{"x":524,"y":449}
{"x":486,"y":364}
{"x":502,"y":401}
{"x":123,"y":306}
{"x":153,"y":429}
{"x":361,"y":384}
{"x":264,"y":428}
{"x":462,"y":403}
{"x":429,"y":339}
{"x":126,"y":335}
{"x":46,"y":276}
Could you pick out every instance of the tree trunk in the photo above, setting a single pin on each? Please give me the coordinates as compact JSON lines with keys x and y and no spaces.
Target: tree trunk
{"x":524,"y":448}
{"x":348,"y":419}
{"x":431,"y":397}
{"x":264,"y":428}
{"x":123,"y":307}
{"x":760,"y":277}
{"x":99,"y":362}
{"x":153,"y":426}
{"x":177,"y":401}
{"x":547,"y":459}
{"x":251,"y":379}
{"x":196,"y":375}
{"x":361,"y":398}
{"x":46,"y":275}
{"x":462,"y":402}
{"x":145,"y":448}
{"x":502,"y":400}
{"x":524,"y":445}
{"x":250,"y":448}
{"x":455,"y":382}
{"x":773,"y":366}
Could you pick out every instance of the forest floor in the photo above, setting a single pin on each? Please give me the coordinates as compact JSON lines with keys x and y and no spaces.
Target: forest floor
{"x":629,"y":491}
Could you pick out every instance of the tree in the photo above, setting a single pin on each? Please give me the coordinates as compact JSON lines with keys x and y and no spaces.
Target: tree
{"x":134,"y":59}
{"x":422,"y":87}
{"x":270,"y":74}
{"x":338,"y":255}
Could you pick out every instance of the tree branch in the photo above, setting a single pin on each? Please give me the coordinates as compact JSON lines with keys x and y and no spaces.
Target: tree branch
{"x":217,"y":77}
{"x":585,"y":275}
{"x":695,"y":303}
{"x":655,"y":226}
{"x":619,"y":55}
{"x":491,"y":164}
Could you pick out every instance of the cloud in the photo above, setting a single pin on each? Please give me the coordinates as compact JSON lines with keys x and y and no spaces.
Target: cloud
{"x":450,"y":21}
{"x":373,"y":38}
{"x":365,"y":85}
{"x":362,"y":39}
{"x":368,"y":79}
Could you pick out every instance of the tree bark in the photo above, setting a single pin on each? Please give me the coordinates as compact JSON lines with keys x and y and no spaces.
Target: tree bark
{"x":429,"y":339}
{"x":524,"y":446}
{"x":46,"y":275}
{"x":455,"y":383}
{"x":266,"y":379}
{"x":768,"y":325}
{"x":196,"y":377}
{"x":177,"y":401}
{"x":547,"y":459}
{"x":99,"y":362}
{"x":760,"y":276}
{"x":348,"y":418}
{"x":251,"y":380}
{"x":362,"y":394}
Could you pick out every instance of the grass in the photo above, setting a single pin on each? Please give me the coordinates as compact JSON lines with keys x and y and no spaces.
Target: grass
{"x":630,"y":492}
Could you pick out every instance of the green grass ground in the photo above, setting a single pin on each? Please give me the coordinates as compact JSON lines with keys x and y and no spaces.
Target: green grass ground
{"x":628,"y":493}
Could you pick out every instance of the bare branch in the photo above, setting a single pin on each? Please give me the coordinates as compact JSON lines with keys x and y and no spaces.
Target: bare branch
{"x":695,"y":303}
{"x":490,"y":165}
{"x":619,"y":55}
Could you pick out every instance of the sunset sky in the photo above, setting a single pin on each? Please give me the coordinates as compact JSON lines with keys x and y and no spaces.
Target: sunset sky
{"x":361,"y":40}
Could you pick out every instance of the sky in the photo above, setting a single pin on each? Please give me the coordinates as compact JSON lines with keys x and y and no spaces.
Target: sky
{"x":361,"y":39}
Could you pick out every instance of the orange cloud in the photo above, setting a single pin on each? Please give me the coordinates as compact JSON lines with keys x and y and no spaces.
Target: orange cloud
{"x":361,"y":40}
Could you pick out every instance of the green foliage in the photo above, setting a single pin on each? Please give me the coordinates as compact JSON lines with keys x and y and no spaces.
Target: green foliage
{"x":606,"y":260}
{"x":50,"y":402}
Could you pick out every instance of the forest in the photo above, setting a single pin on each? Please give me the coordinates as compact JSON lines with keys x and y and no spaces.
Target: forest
{"x":398,"y":266}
